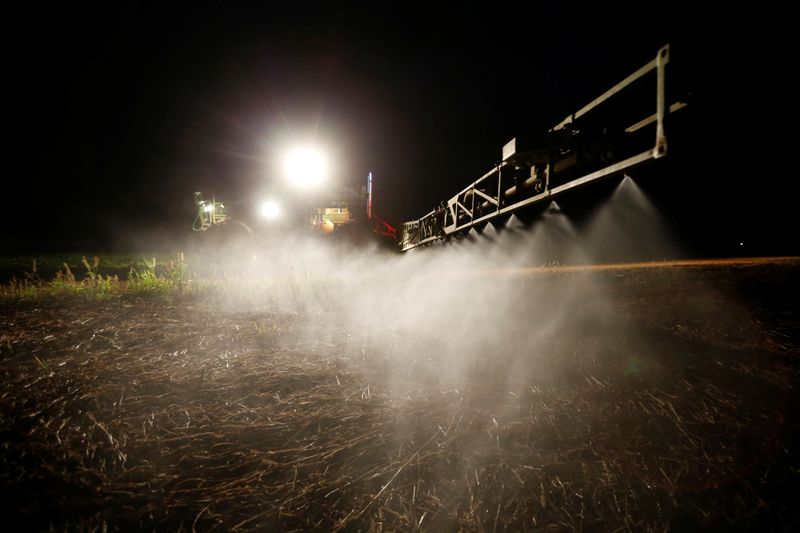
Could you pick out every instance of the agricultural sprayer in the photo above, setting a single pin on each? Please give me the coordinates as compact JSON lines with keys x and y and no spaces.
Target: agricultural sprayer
{"x":624,"y":127}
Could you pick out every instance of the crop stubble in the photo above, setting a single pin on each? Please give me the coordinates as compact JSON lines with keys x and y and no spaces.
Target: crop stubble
{"x":173,"y":415}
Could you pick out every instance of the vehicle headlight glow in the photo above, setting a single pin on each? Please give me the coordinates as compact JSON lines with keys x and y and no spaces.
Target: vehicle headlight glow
{"x":305,"y":167}
{"x":269,"y":209}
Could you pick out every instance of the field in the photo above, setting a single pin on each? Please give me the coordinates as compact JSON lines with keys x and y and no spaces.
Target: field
{"x":665,"y":397}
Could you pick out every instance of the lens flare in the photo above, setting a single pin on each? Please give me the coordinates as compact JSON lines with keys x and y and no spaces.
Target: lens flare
{"x":269,"y":209}
{"x":306,"y":167}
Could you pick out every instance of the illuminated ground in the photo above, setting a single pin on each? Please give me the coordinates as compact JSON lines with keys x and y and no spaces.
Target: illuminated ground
{"x":148,"y":414}
{"x":726,"y":262}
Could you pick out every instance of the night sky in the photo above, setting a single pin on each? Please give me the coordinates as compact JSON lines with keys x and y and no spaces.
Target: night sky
{"x":120,"y":110}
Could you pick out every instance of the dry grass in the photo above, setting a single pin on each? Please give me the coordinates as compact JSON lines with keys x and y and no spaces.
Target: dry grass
{"x":155,"y":415}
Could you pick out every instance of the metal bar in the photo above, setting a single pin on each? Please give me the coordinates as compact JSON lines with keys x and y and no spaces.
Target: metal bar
{"x":661,"y":102}
{"x":452,"y":226}
{"x":677,"y":106}
{"x":477,"y":181}
{"x":499,"y":187}
{"x":473,"y":198}
{"x":603,"y":172}
{"x":484,"y":195}
{"x":425,"y":241}
{"x":614,"y":90}
{"x":462,"y":206}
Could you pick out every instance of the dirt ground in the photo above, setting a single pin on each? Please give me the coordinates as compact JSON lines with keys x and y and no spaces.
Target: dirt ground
{"x":172,"y":414}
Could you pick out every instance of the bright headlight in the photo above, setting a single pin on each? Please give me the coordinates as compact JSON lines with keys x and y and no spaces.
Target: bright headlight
{"x":269,"y":209}
{"x":305,"y":167}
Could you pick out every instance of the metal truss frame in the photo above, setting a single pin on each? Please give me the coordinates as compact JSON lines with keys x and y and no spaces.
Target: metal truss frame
{"x":501,"y":190}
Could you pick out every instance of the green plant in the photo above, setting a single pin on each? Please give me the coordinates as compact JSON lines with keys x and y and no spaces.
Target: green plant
{"x":64,"y":280}
{"x":94,"y":284}
{"x":177,"y":271}
{"x":20,"y":289}
{"x":174,"y":275}
{"x":147,"y":276}
{"x":97,"y":284}
{"x":146,"y":280}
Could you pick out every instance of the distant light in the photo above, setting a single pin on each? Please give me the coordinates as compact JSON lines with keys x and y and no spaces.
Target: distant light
{"x":741,"y":244}
{"x":269,"y":209}
{"x":305,"y":167}
{"x":208,"y":208}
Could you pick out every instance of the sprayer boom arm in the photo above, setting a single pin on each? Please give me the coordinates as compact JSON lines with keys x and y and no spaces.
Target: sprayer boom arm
{"x":614,"y":132}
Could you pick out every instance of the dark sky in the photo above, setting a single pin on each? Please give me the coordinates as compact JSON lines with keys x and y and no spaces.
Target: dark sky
{"x":119,"y":110}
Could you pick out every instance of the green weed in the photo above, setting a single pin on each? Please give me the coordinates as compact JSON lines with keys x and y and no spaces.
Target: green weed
{"x":145,"y":277}
{"x":173,"y":276}
{"x":93,"y":285}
